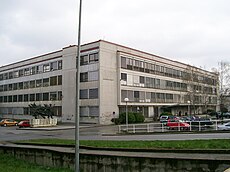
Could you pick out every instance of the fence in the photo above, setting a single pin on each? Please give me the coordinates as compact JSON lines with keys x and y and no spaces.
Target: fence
{"x":43,"y":122}
{"x":175,"y":126}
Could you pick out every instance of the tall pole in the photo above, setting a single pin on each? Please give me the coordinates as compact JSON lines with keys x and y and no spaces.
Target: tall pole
{"x":77,"y":157}
{"x":126,"y":113}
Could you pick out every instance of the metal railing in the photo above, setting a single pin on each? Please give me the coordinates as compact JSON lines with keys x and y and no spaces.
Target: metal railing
{"x":163,"y":127}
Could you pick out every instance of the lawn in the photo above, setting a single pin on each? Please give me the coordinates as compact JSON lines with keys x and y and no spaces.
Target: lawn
{"x":180,"y":144}
{"x":10,"y":164}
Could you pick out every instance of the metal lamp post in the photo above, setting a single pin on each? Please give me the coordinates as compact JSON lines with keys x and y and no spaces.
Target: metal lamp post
{"x":189,"y":107}
{"x":77,"y":150}
{"x":126,"y":114}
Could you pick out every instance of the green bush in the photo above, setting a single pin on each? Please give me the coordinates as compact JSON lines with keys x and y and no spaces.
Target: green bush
{"x":166,"y":114}
{"x":139,"y":118}
{"x":132,"y":118}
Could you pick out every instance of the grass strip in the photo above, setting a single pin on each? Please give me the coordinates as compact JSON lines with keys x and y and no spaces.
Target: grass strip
{"x":179,"y":144}
{"x":10,"y":164}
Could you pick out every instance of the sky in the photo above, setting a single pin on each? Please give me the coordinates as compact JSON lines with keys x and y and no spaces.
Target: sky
{"x":195,"y":32}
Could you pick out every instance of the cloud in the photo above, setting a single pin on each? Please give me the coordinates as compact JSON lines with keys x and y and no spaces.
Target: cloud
{"x":192,"y":31}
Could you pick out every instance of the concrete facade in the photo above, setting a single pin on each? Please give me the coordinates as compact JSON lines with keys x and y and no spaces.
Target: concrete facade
{"x":108,"y":74}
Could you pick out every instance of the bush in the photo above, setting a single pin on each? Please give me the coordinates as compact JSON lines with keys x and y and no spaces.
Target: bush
{"x":166,"y":114}
{"x":139,"y":118}
{"x":132,"y":118}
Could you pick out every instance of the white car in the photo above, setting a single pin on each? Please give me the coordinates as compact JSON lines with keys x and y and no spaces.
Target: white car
{"x":225,"y":126}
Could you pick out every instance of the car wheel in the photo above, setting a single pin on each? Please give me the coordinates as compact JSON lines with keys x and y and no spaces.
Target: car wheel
{"x":5,"y":125}
{"x":16,"y":124}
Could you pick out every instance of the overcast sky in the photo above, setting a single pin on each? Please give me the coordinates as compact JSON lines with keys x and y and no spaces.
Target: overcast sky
{"x":195,"y":32}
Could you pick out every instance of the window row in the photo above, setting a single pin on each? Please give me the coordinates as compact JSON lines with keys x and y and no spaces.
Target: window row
{"x":89,"y":59}
{"x":57,"y":65}
{"x":49,"y":96}
{"x":149,"y":97}
{"x":89,"y":111}
{"x":147,"y":82}
{"x":141,"y":66}
{"x":89,"y":76}
{"x":45,"y":82}
{"x":89,"y":93}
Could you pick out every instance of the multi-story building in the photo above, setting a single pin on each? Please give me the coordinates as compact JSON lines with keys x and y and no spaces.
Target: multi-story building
{"x":109,"y":73}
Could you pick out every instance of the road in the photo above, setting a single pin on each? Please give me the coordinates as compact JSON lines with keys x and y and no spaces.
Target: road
{"x":99,"y":133}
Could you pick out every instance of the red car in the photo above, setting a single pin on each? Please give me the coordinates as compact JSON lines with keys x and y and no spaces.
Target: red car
{"x":176,"y":124}
{"x":24,"y":124}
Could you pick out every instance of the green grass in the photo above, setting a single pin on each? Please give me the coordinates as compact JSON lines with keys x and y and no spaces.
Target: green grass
{"x":180,"y":144}
{"x":10,"y":164}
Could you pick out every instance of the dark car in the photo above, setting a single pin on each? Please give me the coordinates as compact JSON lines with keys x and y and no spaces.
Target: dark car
{"x":24,"y":124}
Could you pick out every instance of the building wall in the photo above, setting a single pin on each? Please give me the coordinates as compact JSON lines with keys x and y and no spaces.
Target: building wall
{"x":106,"y":78}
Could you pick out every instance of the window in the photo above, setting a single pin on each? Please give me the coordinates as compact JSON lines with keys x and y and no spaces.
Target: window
{"x":32,"y":97}
{"x":84,"y":111}
{"x":26,"y":71}
{"x":84,"y":94}
{"x":26,"y":85}
{"x":5,"y":87}
{"x":84,"y":60}
{"x":20,"y":98}
{"x":39,"y":97}
{"x":16,"y":74}
{"x":53,"y":80}
{"x":15,"y":86}
{"x":10,"y":75}
{"x":124,"y":76}
{"x":93,"y":76}
{"x":1,"y":88}
{"x":59,"y":65}
{"x":93,"y":111}
{"x":33,"y":70}
{"x":1,"y":77}
{"x":60,"y":80}
{"x":45,"y":82}
{"x":5,"y":76}
{"x":39,"y":69}
{"x":84,"y":77}
{"x":32,"y":84}
{"x":5,"y":99}
{"x":21,"y":73}
{"x":46,"y":67}
{"x":38,"y":83}
{"x":93,"y":58}
{"x":10,"y":98}
{"x":93,"y":93}
{"x":53,"y":96}
{"x":20,"y":85}
{"x":15,"y":98}
{"x":142,"y":79}
{"x":53,"y":66}
{"x":26,"y":97}
{"x":10,"y":87}
{"x":1,"y":99}
{"x":59,"y":95}
{"x":136,"y":94}
{"x":123,"y":62}
{"x":45,"y":96}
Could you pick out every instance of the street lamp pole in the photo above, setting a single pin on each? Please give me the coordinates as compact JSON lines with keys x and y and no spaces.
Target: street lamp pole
{"x":126,"y":114}
{"x":77,"y":150}
{"x":189,"y":108}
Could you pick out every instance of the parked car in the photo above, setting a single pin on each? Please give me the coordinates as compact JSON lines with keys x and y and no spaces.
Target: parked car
{"x":225,"y":126}
{"x":176,"y":124}
{"x":165,"y":118}
{"x":8,"y":122}
{"x":22,"y":124}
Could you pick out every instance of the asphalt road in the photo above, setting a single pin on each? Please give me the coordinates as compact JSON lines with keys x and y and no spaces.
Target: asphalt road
{"x":99,"y":133}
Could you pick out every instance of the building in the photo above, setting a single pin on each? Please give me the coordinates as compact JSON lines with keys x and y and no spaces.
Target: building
{"x":109,"y":73}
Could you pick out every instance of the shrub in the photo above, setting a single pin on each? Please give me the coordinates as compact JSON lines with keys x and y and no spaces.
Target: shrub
{"x":166,"y":114}
{"x":139,"y":118}
{"x":132,"y":118}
